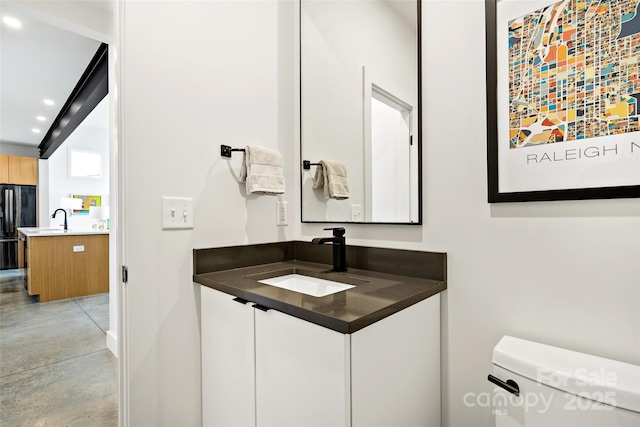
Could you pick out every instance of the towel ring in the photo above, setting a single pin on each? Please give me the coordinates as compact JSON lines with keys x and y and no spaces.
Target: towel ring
{"x":226,"y":150}
{"x":306,"y":164}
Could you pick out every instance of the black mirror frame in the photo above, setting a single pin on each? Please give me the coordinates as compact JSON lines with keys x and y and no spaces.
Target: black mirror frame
{"x":419,"y":142}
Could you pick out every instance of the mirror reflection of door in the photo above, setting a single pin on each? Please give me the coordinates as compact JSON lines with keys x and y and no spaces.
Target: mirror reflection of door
{"x":390,"y":158}
{"x":349,"y":48}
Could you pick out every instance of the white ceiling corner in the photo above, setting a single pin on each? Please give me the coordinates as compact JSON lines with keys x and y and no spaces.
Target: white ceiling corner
{"x":38,"y":61}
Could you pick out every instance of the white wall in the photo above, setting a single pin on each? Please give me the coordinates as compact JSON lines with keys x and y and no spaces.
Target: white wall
{"x":201,"y":74}
{"x":196,"y":75}
{"x":561,"y":273}
{"x":13,"y":149}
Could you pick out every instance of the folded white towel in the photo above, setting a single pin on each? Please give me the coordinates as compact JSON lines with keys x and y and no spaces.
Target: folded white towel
{"x":262,"y":170}
{"x":332,"y":176}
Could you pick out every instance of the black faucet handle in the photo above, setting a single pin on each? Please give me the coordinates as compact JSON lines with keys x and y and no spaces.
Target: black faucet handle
{"x":337,"y":231}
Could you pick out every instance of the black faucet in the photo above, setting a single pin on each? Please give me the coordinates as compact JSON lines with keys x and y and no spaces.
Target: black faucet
{"x":339,"y":248}
{"x":65,"y":216}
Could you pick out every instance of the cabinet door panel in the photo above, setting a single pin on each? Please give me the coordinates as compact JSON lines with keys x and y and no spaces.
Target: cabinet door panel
{"x":23,"y":170}
{"x":395,"y":369}
{"x":302,"y":373}
{"x":228,"y":375}
{"x":97,"y":271}
{"x":4,"y":169}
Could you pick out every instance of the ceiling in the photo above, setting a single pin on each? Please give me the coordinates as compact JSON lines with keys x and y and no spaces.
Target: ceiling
{"x":37,"y":61}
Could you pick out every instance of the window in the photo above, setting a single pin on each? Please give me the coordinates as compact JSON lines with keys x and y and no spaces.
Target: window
{"x":84,"y":164}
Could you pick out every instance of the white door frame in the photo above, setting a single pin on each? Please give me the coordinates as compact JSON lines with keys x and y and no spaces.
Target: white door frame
{"x":119,"y":187}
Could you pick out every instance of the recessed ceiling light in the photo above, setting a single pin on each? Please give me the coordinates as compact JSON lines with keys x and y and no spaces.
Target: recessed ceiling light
{"x":35,"y":130}
{"x":12,"y":22}
{"x":41,"y":118}
{"x":48,"y":102}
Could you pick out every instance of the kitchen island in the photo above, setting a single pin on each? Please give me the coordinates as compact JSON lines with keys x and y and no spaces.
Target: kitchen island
{"x":58,"y":264}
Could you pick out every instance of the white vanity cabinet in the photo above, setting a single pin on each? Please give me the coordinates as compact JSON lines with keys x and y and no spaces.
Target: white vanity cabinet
{"x":272,"y":369}
{"x":269,"y":368}
{"x":228,"y":360}
{"x":302,"y":373}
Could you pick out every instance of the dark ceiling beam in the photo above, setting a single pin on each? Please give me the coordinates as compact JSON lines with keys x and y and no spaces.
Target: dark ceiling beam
{"x":92,"y":87}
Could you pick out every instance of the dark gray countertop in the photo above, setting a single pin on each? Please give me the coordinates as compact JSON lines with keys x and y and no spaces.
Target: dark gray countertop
{"x":375,"y":296}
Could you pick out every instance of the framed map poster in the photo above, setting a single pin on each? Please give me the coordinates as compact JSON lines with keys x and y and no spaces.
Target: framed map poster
{"x":563,"y":99}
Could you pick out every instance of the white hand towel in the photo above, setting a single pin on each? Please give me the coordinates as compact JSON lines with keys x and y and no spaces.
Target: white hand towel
{"x":262,"y":170}
{"x":332,"y":176}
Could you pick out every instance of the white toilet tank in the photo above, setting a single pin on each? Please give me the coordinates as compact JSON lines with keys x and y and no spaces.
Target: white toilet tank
{"x":543,"y":386}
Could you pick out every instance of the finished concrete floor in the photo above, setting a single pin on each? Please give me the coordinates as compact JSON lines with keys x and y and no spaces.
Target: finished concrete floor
{"x":55,"y":369}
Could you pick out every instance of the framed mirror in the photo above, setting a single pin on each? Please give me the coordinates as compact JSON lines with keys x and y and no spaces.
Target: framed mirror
{"x":360,"y":109}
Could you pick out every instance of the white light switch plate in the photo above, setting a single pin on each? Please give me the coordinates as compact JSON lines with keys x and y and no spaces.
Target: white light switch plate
{"x":177,"y":212}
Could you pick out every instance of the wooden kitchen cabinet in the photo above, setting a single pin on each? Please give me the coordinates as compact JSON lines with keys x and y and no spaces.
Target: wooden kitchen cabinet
{"x":23,"y":170}
{"x":18,"y":170}
{"x":67,"y":266}
{"x":4,"y":169}
{"x":272,"y":369}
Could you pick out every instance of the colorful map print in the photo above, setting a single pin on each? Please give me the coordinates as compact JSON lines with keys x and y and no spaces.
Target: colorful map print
{"x":574,"y":72}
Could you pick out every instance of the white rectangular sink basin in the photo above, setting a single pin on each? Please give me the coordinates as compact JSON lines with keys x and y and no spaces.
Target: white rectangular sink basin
{"x":307,"y":285}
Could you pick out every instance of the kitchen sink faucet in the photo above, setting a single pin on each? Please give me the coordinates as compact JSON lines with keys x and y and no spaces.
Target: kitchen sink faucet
{"x":65,"y":217}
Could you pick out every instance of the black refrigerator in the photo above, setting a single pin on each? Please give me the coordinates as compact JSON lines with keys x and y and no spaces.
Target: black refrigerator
{"x":17,"y":209}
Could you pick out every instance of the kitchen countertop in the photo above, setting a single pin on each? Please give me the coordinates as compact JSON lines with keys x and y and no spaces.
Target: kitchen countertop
{"x":47,"y":232}
{"x":375,"y":296}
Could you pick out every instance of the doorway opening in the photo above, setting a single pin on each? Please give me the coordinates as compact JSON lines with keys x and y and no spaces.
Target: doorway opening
{"x":391,"y":142}
{"x":101,"y":325}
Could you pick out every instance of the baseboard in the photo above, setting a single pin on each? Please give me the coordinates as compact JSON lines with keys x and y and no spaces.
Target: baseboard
{"x":112,"y":343}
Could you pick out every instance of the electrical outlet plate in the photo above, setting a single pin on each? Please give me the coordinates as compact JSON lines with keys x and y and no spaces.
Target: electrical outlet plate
{"x":177,"y":212}
{"x":282,"y":213}
{"x":356,"y":213}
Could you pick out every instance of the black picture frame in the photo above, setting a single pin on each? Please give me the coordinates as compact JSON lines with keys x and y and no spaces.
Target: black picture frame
{"x":493,"y":167}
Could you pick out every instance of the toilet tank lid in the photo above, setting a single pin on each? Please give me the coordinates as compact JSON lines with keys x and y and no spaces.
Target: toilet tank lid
{"x":604,"y":380}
